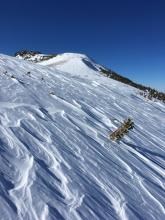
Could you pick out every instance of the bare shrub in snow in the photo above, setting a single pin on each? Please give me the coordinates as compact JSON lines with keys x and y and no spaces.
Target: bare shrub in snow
{"x":122,"y":130}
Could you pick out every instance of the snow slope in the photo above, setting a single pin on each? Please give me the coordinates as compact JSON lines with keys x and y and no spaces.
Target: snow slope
{"x":56,"y":160}
{"x":77,"y":64}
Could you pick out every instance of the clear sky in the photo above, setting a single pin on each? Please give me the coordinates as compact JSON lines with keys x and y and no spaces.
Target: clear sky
{"x":125,"y":35}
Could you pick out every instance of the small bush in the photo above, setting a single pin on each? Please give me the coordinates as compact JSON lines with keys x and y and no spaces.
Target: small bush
{"x":122,"y":130}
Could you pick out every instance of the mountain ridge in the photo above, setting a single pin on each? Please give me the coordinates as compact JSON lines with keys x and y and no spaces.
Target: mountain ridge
{"x":49,"y":60}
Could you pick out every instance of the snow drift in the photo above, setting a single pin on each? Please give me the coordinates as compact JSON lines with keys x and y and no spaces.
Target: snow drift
{"x":56,"y":160}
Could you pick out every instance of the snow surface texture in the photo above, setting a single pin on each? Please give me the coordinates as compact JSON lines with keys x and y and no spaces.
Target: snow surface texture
{"x":56,"y":159}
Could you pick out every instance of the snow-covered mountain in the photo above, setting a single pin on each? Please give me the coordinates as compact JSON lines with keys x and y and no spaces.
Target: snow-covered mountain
{"x":70,"y":62}
{"x":57,"y":160}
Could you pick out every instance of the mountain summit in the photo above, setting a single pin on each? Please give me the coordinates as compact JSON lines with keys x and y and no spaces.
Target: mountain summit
{"x":57,"y":161}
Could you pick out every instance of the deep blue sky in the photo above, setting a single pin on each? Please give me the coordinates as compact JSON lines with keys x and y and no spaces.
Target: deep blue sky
{"x":125,"y":35}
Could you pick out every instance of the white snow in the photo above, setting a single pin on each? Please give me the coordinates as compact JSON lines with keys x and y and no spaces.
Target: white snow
{"x":56,"y":159}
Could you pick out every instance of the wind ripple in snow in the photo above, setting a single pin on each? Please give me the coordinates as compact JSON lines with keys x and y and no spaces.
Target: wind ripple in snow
{"x":56,"y":161}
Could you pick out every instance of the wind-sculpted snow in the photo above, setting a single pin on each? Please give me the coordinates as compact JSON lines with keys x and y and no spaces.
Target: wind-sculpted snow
{"x":56,"y":159}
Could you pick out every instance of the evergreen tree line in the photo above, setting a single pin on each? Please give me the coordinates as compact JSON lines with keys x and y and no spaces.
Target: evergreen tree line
{"x":148,"y":92}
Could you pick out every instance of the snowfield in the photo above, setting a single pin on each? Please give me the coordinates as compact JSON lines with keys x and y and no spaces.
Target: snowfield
{"x":56,"y":159}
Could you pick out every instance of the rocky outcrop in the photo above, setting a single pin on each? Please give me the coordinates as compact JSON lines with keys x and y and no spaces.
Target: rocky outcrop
{"x":26,"y":52}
